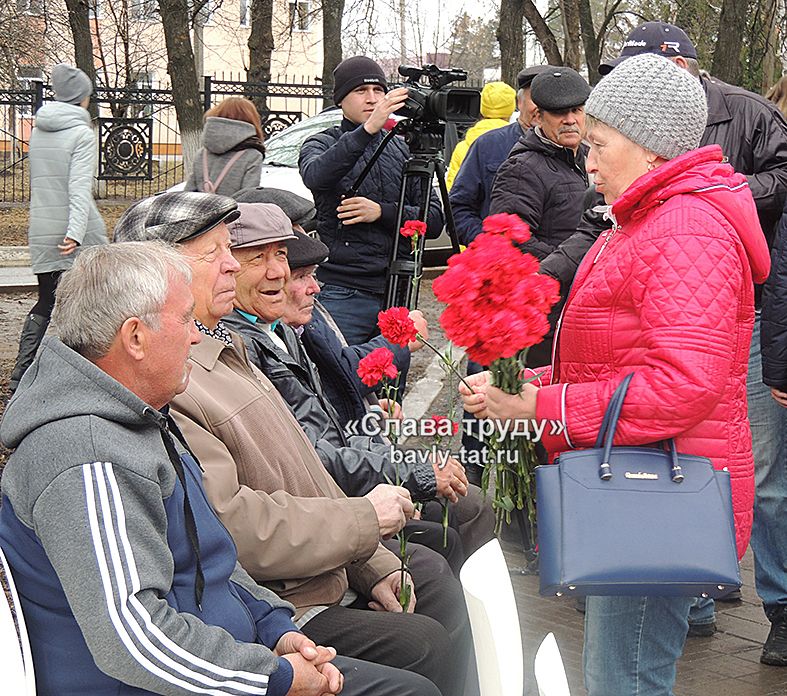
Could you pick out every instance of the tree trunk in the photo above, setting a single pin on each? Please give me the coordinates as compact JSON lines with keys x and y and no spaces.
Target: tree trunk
{"x":332,"y":11}
{"x":511,"y":39}
{"x":79,"y":21}
{"x":572,"y":52}
{"x":543,"y":33}
{"x":727,"y":55}
{"x":183,"y":75}
{"x":589,"y":40}
{"x":260,"y":50}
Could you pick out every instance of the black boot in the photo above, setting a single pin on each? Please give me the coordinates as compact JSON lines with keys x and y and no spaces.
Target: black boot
{"x":32,"y":334}
{"x":774,"y":652}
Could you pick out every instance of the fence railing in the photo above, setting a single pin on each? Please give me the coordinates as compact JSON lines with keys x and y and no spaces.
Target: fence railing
{"x":139,"y":140}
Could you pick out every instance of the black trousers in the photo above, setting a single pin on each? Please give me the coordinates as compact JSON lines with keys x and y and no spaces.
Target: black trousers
{"x":434,"y":642}
{"x":363,"y":678}
{"x":47,"y":284}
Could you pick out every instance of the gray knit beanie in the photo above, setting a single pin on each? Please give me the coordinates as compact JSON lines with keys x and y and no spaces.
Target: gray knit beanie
{"x":652,"y":102}
{"x":71,"y":85}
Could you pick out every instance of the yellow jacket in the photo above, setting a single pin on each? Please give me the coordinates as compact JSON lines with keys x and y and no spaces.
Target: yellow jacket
{"x":498,"y":101}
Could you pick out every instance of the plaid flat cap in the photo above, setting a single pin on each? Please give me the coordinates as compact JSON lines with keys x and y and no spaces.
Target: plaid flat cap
{"x":174,"y":217}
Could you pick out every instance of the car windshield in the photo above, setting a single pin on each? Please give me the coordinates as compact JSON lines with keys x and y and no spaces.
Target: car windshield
{"x":283,"y":148}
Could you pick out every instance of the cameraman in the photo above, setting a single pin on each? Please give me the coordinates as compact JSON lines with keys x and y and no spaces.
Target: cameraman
{"x":360,"y":231}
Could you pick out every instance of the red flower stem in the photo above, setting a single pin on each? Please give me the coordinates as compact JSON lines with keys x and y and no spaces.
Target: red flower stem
{"x":450,"y":364}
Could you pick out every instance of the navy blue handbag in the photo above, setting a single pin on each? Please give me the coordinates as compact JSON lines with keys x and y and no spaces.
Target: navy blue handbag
{"x":642,"y":521}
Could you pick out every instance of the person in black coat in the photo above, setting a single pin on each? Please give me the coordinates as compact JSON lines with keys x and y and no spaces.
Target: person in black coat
{"x":544,"y":179}
{"x":360,"y":230}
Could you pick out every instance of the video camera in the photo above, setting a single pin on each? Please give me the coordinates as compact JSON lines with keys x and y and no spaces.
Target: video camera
{"x":438,"y":102}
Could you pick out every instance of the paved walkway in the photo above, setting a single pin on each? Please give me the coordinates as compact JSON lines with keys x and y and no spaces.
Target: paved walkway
{"x":726,"y":664}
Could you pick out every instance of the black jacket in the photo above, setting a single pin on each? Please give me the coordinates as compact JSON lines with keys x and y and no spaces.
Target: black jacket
{"x":357,"y":463}
{"x":773,"y":327}
{"x":545,"y":185}
{"x":329,"y":163}
{"x":752,"y":134}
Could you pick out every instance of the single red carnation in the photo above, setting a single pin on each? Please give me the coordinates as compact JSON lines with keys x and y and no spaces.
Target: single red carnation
{"x":376,"y":365}
{"x":396,"y":326}
{"x":411,"y":228}
{"x":443,"y":423}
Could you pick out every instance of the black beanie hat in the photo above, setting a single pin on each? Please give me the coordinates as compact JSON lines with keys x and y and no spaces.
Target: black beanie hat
{"x":355,"y":71}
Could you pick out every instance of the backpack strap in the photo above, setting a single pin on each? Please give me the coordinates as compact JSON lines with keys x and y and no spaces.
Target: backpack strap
{"x":209,"y":186}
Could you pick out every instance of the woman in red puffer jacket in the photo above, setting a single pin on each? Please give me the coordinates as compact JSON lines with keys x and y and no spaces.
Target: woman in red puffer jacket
{"x":667,"y":293}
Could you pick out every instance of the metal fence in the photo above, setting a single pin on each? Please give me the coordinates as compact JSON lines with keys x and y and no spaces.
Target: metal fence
{"x":139,"y":141}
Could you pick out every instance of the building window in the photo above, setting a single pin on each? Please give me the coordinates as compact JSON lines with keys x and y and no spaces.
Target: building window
{"x":245,"y":13}
{"x":299,"y":15}
{"x":143,"y":9}
{"x":94,"y":9}
{"x":34,"y":7}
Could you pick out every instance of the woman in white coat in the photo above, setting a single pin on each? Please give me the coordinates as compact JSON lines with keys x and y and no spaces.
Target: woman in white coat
{"x":63,"y":214}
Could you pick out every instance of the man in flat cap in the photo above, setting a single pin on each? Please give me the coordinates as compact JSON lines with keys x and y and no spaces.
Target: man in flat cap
{"x":472,"y":187}
{"x":293,"y":527}
{"x":544,"y":179}
{"x":360,"y":229}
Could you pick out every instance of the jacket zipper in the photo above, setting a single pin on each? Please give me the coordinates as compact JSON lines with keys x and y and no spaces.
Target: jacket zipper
{"x":609,"y":236}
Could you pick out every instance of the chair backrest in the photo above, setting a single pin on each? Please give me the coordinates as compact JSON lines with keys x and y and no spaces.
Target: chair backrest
{"x":550,"y":672}
{"x":16,"y":661}
{"x":494,"y":620}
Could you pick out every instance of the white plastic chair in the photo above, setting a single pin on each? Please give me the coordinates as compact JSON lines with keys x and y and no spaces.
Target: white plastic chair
{"x":16,"y":661}
{"x":493,"y":617}
{"x":550,"y":672}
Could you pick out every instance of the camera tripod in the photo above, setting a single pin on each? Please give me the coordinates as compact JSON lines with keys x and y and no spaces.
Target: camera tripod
{"x":425,"y":163}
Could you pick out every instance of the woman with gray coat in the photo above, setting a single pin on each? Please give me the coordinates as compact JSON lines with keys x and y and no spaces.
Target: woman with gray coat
{"x":63,"y":214}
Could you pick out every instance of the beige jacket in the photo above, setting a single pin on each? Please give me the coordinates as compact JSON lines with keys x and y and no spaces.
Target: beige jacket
{"x":295,"y":530}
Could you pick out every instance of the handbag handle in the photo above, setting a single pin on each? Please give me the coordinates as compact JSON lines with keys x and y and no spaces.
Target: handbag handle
{"x":606,"y":435}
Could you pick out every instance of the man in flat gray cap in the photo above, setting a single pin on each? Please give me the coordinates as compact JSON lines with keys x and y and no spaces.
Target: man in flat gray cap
{"x":544,"y":179}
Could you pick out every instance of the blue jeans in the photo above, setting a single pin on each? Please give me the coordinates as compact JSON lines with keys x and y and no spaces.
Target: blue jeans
{"x":702,"y":612}
{"x":632,"y":644}
{"x":769,"y":533}
{"x":354,"y":311}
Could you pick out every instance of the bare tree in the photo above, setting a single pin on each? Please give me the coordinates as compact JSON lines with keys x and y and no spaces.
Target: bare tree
{"x":183,"y":75}
{"x":572,"y":44}
{"x":510,"y":37}
{"x":544,"y":34}
{"x":332,"y":11}
{"x":79,"y":21}
{"x":727,"y":56}
{"x":260,"y":49}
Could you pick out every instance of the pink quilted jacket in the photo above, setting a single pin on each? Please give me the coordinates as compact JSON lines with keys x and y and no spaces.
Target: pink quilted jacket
{"x":667,"y":294}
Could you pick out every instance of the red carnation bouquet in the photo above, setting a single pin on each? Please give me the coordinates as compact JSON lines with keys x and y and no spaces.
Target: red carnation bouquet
{"x":497,"y":307}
